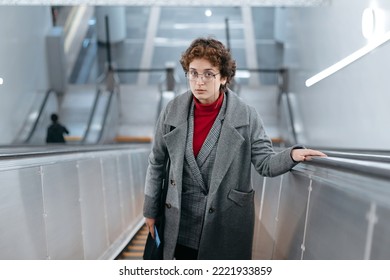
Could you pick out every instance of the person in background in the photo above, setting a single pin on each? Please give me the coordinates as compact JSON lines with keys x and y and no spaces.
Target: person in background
{"x":56,"y":131}
{"x":212,"y":138}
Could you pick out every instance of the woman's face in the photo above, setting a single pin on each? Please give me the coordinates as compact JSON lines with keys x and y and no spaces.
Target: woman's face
{"x":205,"y":80}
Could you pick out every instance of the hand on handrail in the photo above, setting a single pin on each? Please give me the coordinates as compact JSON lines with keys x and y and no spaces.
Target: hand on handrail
{"x":300,"y":155}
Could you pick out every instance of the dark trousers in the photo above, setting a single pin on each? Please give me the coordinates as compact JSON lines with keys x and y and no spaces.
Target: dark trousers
{"x":185,"y":253}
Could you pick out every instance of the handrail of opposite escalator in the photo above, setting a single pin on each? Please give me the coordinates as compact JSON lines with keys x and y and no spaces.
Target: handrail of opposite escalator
{"x":91,"y":115}
{"x":40,"y":113}
{"x":107,"y":112}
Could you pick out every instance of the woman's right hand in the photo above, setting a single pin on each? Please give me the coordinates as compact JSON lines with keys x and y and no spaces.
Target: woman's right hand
{"x":150,"y":224}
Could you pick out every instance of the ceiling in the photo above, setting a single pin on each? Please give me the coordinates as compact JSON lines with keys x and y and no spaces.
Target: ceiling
{"x":210,"y":3}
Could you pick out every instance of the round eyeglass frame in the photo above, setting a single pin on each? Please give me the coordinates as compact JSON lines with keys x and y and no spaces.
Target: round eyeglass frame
{"x":203,"y":77}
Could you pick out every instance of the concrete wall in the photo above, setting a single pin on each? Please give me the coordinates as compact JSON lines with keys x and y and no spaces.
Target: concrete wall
{"x":350,"y":108}
{"x":22,"y":63}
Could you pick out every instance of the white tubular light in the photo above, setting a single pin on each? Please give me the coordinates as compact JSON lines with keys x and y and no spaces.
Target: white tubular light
{"x":348,"y":60}
{"x":1,"y":81}
{"x":368,"y":23}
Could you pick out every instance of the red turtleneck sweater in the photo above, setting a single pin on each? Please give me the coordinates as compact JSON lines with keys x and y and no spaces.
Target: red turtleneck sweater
{"x":204,"y":117}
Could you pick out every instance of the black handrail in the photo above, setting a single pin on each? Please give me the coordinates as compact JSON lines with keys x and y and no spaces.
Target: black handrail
{"x":227,"y":32}
{"x":12,"y":152}
{"x":282,"y":76}
{"x":108,"y":43}
{"x":91,"y":116}
{"x":109,"y":59}
{"x":132,"y":70}
{"x":263,"y":70}
{"x":291,"y":117}
{"x":41,"y":109}
{"x":283,"y":90}
{"x":106,"y":112}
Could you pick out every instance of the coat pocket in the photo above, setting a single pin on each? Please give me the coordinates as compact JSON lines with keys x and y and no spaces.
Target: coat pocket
{"x":241,"y":198}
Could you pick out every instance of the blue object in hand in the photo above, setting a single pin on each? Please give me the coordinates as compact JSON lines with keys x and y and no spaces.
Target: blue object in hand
{"x":156,"y":237}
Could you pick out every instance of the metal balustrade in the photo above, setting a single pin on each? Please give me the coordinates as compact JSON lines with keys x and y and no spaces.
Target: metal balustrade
{"x":329,"y":208}
{"x":86,"y":203}
{"x":80,"y":204}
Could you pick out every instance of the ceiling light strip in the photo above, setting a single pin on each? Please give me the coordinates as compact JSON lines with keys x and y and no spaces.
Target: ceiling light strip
{"x":348,"y":60}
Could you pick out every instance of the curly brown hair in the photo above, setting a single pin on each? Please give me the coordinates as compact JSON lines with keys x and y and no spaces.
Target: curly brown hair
{"x":215,"y":52}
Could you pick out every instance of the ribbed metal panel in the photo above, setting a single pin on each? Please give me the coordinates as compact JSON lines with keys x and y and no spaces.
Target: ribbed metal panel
{"x":22,"y":234}
{"x":62,"y":211}
{"x":71,"y":206}
{"x":332,"y":211}
{"x":93,"y":210}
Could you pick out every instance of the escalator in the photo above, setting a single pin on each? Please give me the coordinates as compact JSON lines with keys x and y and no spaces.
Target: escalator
{"x":89,"y":112}
{"x":91,"y":198}
{"x":97,"y":114}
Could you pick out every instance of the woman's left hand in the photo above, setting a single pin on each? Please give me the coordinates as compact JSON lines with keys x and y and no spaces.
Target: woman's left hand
{"x":305,"y":154}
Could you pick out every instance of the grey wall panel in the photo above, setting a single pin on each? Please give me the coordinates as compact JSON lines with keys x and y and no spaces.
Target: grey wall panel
{"x":329,"y":236}
{"x":354,"y":101}
{"x":95,"y":234}
{"x":62,"y":211}
{"x":270,"y":208}
{"x":291,"y":217}
{"x":257,"y":183}
{"x":71,"y":206}
{"x":133,"y":192}
{"x":112,"y":197}
{"x":381,"y":238}
{"x":22,"y":234}
{"x":138,"y":180}
{"x":323,"y":214}
{"x":125,"y":187}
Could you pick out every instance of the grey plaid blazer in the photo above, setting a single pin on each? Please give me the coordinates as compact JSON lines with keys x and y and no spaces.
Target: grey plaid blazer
{"x":196,"y":180}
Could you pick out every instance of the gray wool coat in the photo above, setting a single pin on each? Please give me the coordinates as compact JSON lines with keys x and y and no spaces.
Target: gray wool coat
{"x":229,"y":218}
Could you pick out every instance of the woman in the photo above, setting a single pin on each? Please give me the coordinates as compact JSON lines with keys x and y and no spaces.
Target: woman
{"x":212,"y":137}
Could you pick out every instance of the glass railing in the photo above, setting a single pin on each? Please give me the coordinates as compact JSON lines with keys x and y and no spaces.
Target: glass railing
{"x":327,"y":208}
{"x":88,"y":197}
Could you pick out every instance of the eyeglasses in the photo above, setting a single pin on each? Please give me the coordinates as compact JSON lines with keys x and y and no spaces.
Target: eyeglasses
{"x":206,"y":76}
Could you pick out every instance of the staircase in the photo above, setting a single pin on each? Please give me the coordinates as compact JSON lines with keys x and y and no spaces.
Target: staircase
{"x":135,"y":249}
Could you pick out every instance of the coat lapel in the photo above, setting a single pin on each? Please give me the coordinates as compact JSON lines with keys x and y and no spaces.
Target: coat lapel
{"x":230,"y":140}
{"x":176,"y":144}
{"x":177,"y":118}
{"x":229,"y":144}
